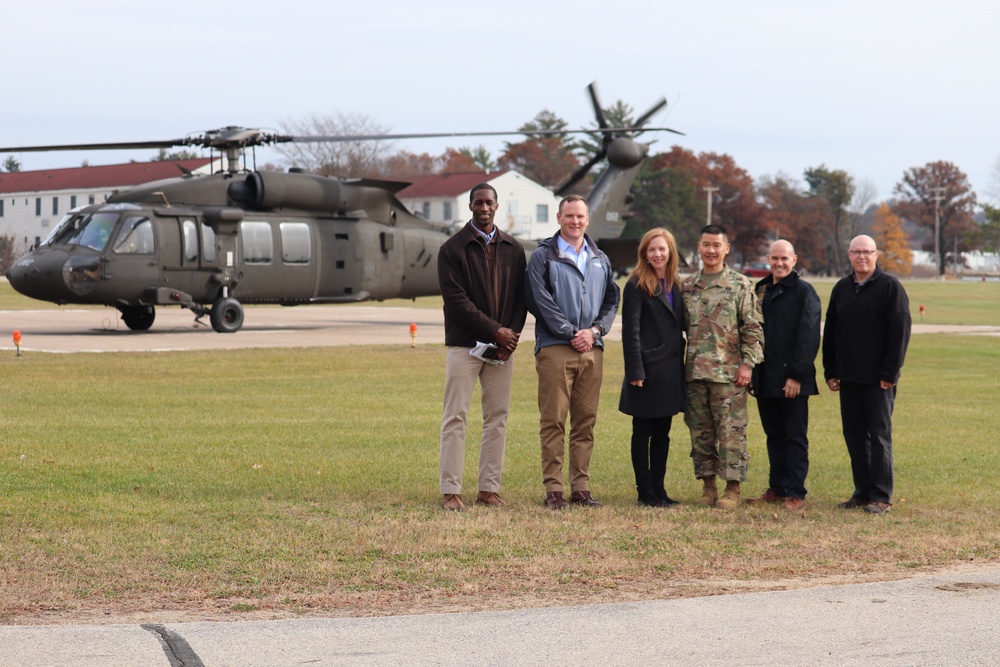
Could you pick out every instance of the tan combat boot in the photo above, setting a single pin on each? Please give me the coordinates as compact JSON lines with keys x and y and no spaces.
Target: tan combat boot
{"x":730,"y":497}
{"x":709,"y":492}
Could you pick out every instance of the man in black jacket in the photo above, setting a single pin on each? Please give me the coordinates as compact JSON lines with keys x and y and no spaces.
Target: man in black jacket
{"x":481,"y":273}
{"x":787,"y":378}
{"x":864,"y":343}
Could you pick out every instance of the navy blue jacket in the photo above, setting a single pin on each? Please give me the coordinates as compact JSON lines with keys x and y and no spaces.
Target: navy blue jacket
{"x":791,"y":336}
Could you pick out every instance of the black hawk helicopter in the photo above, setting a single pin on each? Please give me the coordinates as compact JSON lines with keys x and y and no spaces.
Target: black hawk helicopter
{"x":213,"y":243}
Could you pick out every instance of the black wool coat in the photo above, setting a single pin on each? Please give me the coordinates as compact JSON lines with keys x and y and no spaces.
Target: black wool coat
{"x":791,"y":336}
{"x":653,"y":344}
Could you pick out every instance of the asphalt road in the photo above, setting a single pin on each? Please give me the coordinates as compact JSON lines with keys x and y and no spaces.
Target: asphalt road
{"x":101,"y":330}
{"x":936,"y":620}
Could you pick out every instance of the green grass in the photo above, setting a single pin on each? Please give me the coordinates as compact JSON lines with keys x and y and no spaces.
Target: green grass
{"x":305,"y":481}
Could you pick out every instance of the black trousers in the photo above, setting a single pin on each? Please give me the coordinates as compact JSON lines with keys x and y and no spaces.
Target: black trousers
{"x":866,"y":413}
{"x":650,"y":446}
{"x":786,"y":424}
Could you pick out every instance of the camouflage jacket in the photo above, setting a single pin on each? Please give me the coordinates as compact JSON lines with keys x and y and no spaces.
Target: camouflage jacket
{"x":723,"y":324}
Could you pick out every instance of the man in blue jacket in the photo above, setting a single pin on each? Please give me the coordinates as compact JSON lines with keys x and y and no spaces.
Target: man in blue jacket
{"x":864,"y":343}
{"x":786,"y":379}
{"x":571,"y":291}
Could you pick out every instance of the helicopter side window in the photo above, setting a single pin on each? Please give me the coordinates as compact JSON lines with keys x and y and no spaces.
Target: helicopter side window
{"x":258,"y":244}
{"x":296,"y":246}
{"x":95,"y":231}
{"x":208,"y":244}
{"x":189,"y":232}
{"x":135,"y":237}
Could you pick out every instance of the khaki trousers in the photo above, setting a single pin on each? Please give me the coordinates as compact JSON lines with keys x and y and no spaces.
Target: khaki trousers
{"x":461,"y":372}
{"x":568,"y":383}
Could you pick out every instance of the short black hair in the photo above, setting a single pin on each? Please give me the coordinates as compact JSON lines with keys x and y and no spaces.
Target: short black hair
{"x":715,"y":230}
{"x":483,"y":186}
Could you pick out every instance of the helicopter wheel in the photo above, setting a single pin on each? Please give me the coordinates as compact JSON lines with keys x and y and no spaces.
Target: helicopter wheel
{"x":227,"y":315}
{"x":138,"y":318}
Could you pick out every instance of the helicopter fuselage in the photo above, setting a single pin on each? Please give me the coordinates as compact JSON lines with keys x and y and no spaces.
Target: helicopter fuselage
{"x":225,"y":240}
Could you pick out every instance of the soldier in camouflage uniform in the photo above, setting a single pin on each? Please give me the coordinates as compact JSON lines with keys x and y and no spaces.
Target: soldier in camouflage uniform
{"x":725,"y":342}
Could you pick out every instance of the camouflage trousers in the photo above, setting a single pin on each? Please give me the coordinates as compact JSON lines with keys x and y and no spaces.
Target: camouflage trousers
{"x":716,"y":413}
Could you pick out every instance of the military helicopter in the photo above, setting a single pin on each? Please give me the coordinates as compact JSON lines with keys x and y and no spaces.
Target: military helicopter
{"x":213,"y":243}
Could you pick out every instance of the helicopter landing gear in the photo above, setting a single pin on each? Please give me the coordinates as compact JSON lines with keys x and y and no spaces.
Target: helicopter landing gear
{"x":138,"y":318}
{"x":226,"y":315}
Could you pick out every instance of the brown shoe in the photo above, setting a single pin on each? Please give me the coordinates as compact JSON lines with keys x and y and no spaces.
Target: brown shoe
{"x":769,"y":496}
{"x":554,"y":500}
{"x":793,"y":503}
{"x":453,"y":502}
{"x":583,"y":498}
{"x":491,"y":498}
{"x":876,"y":507}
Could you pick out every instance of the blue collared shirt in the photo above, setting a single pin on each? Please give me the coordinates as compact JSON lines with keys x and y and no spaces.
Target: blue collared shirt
{"x":580,"y":258}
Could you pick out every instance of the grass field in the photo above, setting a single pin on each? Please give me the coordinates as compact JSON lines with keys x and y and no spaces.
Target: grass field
{"x":276,"y":483}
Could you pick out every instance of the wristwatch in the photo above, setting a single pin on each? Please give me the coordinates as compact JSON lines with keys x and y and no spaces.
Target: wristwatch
{"x":597,"y":332}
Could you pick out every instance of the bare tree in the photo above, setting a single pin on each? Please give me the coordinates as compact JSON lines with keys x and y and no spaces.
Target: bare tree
{"x":865,"y":195}
{"x":336,"y":158}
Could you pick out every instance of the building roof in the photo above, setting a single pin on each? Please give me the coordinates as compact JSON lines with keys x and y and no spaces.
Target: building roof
{"x":98,"y":177}
{"x":447,"y":185}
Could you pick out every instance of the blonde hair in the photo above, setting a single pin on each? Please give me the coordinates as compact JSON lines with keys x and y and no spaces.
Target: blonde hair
{"x":644,"y":274}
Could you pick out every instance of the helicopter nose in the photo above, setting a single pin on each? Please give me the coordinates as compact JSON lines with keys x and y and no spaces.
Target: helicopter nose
{"x":39,"y":275}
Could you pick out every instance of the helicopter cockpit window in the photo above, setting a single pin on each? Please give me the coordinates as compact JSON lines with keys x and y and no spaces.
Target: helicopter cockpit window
{"x":135,"y":237}
{"x":296,"y":247}
{"x":95,"y":231}
{"x":258,"y":244}
{"x":64,"y":224}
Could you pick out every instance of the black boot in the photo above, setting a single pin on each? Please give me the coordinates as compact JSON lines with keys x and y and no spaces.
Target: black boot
{"x":659,"y":447}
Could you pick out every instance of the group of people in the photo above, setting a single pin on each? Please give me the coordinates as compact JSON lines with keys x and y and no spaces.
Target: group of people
{"x":697,"y":346}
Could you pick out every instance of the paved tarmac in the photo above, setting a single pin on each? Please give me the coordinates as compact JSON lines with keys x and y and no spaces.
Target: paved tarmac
{"x":927,"y":620}
{"x":944,"y":619}
{"x":101,"y":330}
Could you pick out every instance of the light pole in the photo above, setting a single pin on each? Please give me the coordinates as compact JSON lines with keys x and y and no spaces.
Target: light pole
{"x":938,"y":196}
{"x":708,"y":192}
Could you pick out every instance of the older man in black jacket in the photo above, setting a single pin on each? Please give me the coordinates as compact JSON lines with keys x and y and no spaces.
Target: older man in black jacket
{"x":786,"y":379}
{"x":864,"y":343}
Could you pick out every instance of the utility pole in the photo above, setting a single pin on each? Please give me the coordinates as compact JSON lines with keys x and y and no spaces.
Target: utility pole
{"x":938,"y":197}
{"x":709,"y":190}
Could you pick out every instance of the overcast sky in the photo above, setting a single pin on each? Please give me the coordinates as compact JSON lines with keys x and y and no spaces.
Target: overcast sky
{"x":872,"y":87}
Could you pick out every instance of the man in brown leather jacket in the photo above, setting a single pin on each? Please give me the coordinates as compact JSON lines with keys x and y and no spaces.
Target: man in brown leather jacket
{"x":481,"y":271}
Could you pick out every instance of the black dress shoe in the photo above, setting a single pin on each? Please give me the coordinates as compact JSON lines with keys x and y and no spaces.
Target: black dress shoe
{"x":652,"y":501}
{"x":662,"y":495}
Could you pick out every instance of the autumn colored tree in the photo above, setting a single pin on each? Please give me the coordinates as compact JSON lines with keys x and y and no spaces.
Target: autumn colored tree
{"x":544,"y":158}
{"x":943,"y":187}
{"x":734,"y":201}
{"x":794,"y":215}
{"x":405,"y":166}
{"x":892,"y":241}
{"x":455,"y":161}
{"x":834,"y":187}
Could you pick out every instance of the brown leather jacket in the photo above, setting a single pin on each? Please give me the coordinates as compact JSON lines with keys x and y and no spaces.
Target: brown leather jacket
{"x":475,"y":307}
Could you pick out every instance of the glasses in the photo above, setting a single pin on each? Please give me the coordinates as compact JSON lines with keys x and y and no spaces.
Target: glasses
{"x":863,"y":253}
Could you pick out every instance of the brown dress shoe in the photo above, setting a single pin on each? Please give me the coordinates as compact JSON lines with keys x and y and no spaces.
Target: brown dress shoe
{"x":769,"y":496}
{"x":792,"y":503}
{"x":491,"y":498}
{"x":583,"y":498}
{"x":453,"y":502}
{"x":554,"y":500}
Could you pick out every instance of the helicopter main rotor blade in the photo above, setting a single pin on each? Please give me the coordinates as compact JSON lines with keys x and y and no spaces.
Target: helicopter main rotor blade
{"x":652,"y":112}
{"x":598,"y":111}
{"x":435,"y":135}
{"x":94,"y":147}
{"x":580,"y":172}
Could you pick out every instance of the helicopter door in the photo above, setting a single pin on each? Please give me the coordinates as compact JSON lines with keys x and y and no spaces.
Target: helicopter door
{"x":189,"y":258}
